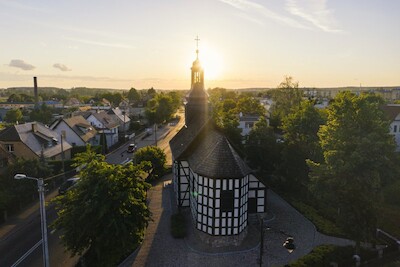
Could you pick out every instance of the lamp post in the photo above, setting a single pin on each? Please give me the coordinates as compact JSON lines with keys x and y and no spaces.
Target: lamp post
{"x":43,"y":225}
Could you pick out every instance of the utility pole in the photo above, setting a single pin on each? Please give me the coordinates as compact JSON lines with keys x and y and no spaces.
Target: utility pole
{"x":62,"y":152}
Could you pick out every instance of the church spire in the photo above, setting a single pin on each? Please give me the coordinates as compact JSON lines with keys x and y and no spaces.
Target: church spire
{"x":197,"y":99}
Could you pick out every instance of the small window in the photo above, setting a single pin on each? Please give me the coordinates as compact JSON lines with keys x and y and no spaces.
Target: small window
{"x":395,"y":128}
{"x":10,"y":147}
{"x":227,"y":200}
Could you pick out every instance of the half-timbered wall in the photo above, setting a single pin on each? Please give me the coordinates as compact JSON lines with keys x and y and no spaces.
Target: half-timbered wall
{"x":219,"y":206}
{"x":257,"y":195}
{"x":181,"y":182}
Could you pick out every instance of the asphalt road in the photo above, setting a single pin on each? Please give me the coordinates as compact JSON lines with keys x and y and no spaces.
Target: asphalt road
{"x":27,"y":233}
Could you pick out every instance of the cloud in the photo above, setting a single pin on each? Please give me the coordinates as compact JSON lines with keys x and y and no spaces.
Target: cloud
{"x":61,"y":67}
{"x":314,"y":12}
{"x":251,"y":9}
{"x":90,"y":42}
{"x":17,"y":63}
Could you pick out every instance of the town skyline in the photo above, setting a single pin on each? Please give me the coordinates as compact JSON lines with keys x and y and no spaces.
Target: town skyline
{"x":243,"y":44}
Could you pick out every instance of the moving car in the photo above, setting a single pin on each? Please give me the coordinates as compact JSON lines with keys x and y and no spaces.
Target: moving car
{"x":132,"y":148}
{"x":67,"y":185}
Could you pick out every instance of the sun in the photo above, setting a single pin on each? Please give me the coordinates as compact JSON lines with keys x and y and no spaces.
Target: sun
{"x":211,"y":61}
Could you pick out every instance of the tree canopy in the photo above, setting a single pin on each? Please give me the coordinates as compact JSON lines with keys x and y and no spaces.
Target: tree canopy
{"x":358,"y":152}
{"x":286,"y":97}
{"x":155,"y":156}
{"x":105,"y":215}
{"x":13,"y":116}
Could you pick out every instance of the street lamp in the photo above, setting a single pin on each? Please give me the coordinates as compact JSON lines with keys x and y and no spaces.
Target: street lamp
{"x":40,"y":184}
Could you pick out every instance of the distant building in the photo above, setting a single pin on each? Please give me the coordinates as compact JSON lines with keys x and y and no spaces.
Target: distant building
{"x":393,"y":114}
{"x":209,"y":176}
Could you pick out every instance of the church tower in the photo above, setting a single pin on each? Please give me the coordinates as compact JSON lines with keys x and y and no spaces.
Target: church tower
{"x":196,"y":108}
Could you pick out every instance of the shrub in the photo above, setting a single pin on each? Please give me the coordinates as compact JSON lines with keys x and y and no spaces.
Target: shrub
{"x":178,"y":225}
{"x":325,"y":254}
{"x":323,"y":225}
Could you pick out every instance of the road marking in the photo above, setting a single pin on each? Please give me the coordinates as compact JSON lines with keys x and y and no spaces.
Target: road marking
{"x":27,"y":254}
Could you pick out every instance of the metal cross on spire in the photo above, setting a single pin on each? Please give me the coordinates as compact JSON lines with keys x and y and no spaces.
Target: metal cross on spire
{"x":197,"y":46}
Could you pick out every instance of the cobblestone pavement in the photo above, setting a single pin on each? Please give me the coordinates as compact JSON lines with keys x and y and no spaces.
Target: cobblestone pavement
{"x":161,"y":249}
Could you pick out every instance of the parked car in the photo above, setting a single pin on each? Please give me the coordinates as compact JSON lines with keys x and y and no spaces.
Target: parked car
{"x":67,"y":185}
{"x":132,"y":148}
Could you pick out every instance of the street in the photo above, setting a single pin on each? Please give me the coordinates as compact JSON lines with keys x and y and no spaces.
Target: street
{"x":26,"y":233}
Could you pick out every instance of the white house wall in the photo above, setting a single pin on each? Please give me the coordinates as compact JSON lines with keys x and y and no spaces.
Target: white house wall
{"x":70,"y":136}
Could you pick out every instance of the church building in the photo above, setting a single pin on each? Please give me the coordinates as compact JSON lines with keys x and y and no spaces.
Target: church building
{"x":209,"y":176}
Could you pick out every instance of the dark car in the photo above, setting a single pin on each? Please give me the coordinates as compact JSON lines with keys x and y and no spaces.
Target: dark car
{"x":67,"y":185}
{"x":132,"y":148}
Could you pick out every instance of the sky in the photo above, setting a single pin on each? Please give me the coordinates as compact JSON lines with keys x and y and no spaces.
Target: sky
{"x":243,"y":43}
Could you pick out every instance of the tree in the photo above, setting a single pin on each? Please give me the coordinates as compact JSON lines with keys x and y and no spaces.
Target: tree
{"x":286,"y":97}
{"x":300,"y":131}
{"x":105,"y":215}
{"x":43,"y":115}
{"x":155,"y":156}
{"x":262,"y":150}
{"x":15,"y":193}
{"x":13,"y":116}
{"x":133,"y":95}
{"x":250,"y":105}
{"x":358,"y":151}
{"x":301,"y":128}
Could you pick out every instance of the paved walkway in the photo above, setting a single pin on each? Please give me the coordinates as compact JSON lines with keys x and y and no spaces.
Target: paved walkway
{"x":161,"y":249}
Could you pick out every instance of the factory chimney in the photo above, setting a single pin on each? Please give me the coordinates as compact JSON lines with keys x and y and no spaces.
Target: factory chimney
{"x":35,"y":93}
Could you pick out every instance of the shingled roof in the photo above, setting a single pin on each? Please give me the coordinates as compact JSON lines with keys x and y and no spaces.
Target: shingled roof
{"x":180,"y":142}
{"x":391,"y":111}
{"x":35,"y":136}
{"x":208,"y":152}
{"x":80,"y":126}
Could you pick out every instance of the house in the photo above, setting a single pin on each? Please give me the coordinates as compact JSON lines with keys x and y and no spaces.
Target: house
{"x":76,"y":130}
{"x":247,"y":122}
{"x":6,"y":158}
{"x":104,"y":124}
{"x":122,"y":117}
{"x":392,"y":112}
{"x":209,"y":176}
{"x":34,"y":140}
{"x":72,"y":102}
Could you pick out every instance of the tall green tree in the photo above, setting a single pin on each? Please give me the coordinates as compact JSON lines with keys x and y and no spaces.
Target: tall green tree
{"x":155,"y":156}
{"x":301,"y":142}
{"x":358,"y":152}
{"x":286,"y":97}
{"x":13,"y":116}
{"x":133,"y":95}
{"x":105,"y":215}
{"x":262,"y":150}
